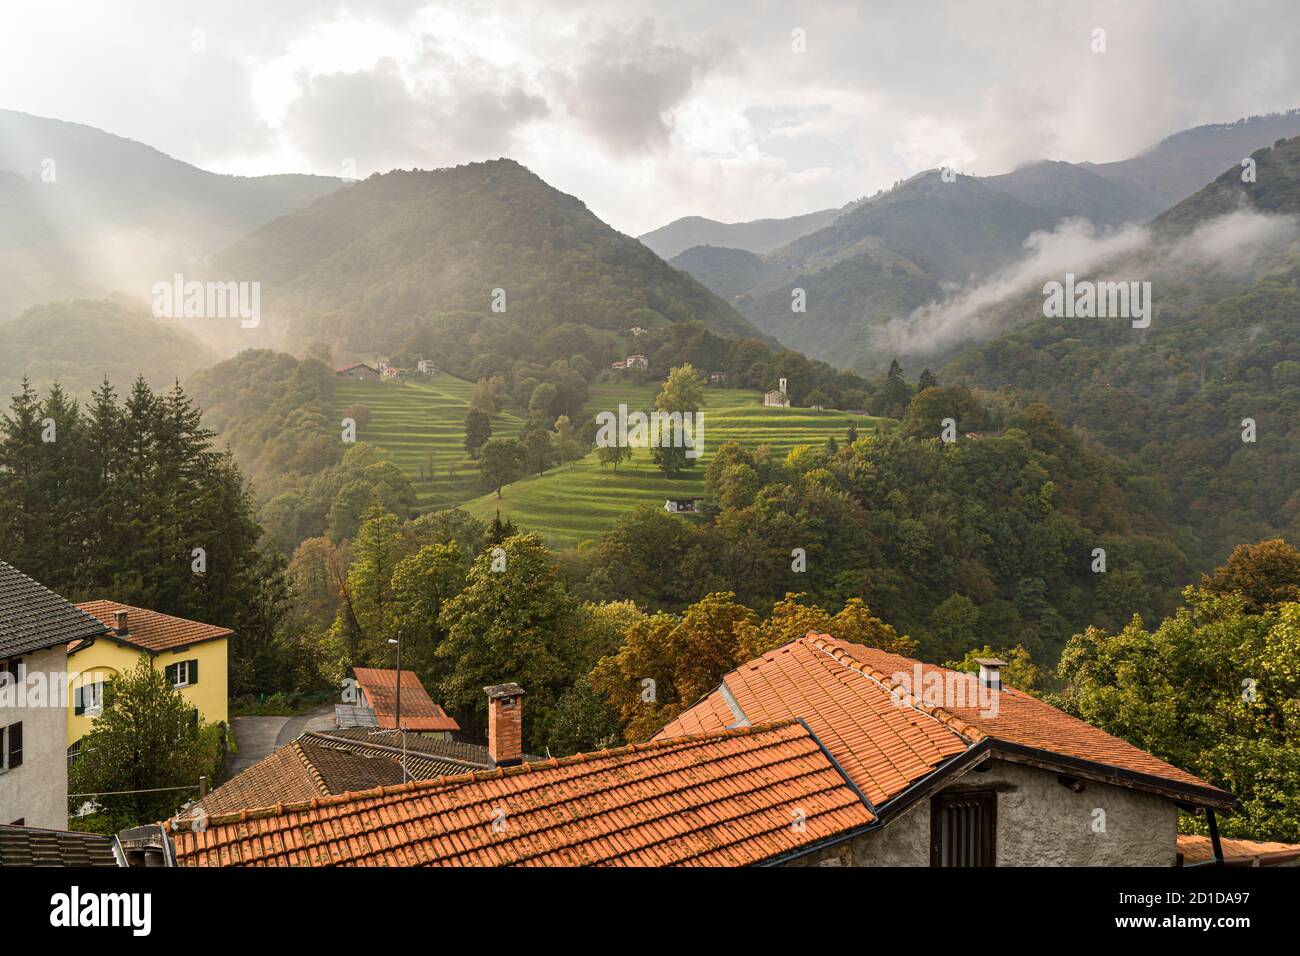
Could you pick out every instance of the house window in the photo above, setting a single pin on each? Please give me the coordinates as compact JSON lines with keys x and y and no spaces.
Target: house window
{"x":963,"y":829}
{"x":88,"y":700}
{"x":182,"y":673}
{"x":11,"y":746}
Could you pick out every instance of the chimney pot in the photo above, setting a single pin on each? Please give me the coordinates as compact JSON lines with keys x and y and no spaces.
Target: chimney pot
{"x":990,"y":672}
{"x":121,"y":626}
{"x":505,"y":724}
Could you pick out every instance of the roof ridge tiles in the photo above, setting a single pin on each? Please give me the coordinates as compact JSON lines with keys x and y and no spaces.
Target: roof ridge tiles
{"x":967,"y":732}
{"x":474,"y":776}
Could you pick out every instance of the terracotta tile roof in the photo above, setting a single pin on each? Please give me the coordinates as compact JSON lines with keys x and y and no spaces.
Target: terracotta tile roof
{"x":849,"y":696}
{"x":29,"y":846}
{"x":32,"y":617}
{"x":151,"y":630}
{"x":338,"y":762}
{"x":419,"y":712}
{"x":360,"y":738}
{"x":1198,"y":849}
{"x":729,"y":799}
{"x":285,"y":775}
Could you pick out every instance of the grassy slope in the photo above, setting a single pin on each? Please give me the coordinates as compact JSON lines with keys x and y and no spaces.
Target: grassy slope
{"x":581,"y":500}
{"x":421,"y":418}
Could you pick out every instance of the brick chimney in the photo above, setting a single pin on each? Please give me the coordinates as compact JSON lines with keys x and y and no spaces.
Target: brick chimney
{"x":120,"y":623}
{"x":505,"y":724}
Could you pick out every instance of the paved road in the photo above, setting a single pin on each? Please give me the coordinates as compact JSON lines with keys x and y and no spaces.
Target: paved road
{"x":256,"y":737}
{"x":321,"y":718}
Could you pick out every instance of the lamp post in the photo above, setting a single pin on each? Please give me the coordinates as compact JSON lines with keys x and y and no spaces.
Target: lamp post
{"x":398,"y":704}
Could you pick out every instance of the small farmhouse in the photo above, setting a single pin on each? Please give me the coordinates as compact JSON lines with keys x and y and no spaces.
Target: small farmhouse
{"x":358,"y":370}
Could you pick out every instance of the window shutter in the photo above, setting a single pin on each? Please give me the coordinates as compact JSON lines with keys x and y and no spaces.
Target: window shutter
{"x":79,"y":701}
{"x":16,"y":744}
{"x":194,"y":672}
{"x":170,"y":673}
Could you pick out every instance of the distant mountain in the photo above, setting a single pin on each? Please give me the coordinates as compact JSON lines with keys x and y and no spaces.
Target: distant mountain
{"x":760,"y":235}
{"x":728,"y":272}
{"x":885,"y":258}
{"x":85,"y":210}
{"x":1180,"y":164}
{"x":888,"y":255}
{"x":80,"y":342}
{"x":1066,"y":189}
{"x":358,"y":267}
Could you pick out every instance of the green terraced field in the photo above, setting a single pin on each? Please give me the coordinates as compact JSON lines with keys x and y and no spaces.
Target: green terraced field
{"x":580,"y":501}
{"x":422,"y":422}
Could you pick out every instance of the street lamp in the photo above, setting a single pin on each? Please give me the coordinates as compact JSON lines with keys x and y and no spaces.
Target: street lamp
{"x":398,"y":704}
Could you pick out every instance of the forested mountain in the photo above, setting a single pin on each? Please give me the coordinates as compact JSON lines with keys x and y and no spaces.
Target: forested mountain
{"x":79,"y":343}
{"x":759,"y":235}
{"x":356,"y":268}
{"x":1067,"y":189}
{"x":85,"y":210}
{"x":1222,"y":348}
{"x":1181,"y":164}
{"x":886,"y":256}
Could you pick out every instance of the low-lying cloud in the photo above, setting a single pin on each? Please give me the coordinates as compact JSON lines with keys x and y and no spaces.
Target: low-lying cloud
{"x":1234,"y":242}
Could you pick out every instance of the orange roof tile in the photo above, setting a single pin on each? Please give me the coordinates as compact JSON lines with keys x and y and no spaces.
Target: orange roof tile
{"x":886,"y":737}
{"x":729,"y":799}
{"x":419,"y":712}
{"x":150,"y":630}
{"x":1197,"y":849}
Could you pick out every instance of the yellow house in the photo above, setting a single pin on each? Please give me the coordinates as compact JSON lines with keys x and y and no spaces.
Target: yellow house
{"x":191,"y":654}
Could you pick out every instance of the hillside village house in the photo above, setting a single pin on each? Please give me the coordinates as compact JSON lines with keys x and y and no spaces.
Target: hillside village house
{"x":191,"y":654}
{"x":817,"y":753}
{"x":358,"y":371}
{"x":377,"y":693}
{"x":36,"y":627}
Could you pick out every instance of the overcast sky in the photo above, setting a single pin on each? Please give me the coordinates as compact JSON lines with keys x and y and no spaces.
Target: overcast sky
{"x":651,"y":110}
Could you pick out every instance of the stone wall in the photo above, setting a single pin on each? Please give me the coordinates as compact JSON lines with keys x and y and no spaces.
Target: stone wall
{"x":1039,"y":823}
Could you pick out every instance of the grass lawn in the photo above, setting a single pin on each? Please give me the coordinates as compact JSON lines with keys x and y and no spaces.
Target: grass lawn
{"x":581,"y":500}
{"x":422,"y":422}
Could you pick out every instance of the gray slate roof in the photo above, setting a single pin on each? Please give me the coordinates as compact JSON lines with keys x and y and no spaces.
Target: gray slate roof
{"x":32,"y":617}
{"x":28,"y":846}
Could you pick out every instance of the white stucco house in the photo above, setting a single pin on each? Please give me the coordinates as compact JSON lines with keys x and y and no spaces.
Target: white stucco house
{"x":36,"y":626}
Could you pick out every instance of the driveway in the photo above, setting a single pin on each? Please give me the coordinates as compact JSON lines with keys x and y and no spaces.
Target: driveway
{"x":320,"y":718}
{"x":256,"y":737}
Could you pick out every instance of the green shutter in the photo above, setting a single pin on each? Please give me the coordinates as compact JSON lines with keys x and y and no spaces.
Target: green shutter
{"x":194,"y":672}
{"x":79,"y":701}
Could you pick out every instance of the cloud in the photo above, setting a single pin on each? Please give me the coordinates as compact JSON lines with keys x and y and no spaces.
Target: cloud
{"x":625,"y":86}
{"x":1235,"y":242}
{"x":378,"y":119}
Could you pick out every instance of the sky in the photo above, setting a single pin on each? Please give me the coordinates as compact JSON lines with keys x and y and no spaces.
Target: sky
{"x":648,"y":111}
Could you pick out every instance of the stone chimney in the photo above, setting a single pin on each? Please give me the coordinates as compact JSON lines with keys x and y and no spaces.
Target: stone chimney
{"x":990,"y":672}
{"x":505,"y":724}
{"x":120,"y":623}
